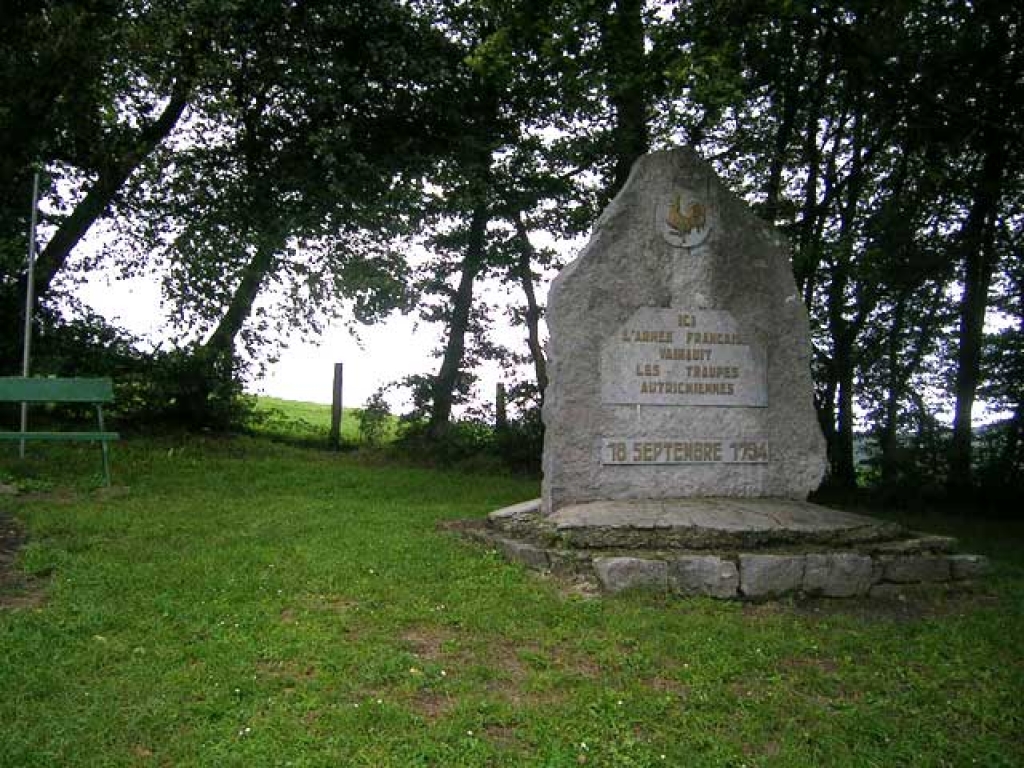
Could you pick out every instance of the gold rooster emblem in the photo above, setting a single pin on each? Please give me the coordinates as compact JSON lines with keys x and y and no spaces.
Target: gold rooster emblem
{"x":694,"y":219}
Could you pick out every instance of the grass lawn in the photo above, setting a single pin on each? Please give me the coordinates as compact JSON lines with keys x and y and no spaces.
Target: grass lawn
{"x":300,"y":422}
{"x":253,"y":603}
{"x":309,"y":424}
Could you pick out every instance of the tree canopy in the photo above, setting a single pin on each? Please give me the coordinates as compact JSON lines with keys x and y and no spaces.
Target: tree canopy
{"x":276,"y":163}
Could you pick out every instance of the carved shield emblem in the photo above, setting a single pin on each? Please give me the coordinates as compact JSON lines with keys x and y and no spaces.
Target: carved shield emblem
{"x":685,"y":220}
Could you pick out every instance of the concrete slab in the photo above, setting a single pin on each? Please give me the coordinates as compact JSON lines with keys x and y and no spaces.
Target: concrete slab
{"x":516,"y":511}
{"x":725,"y":548}
{"x":703,"y":523}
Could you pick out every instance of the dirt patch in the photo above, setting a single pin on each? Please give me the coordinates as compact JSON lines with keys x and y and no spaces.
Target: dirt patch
{"x":288,"y":616}
{"x":826,"y":665}
{"x":312,"y":717}
{"x":510,"y":669}
{"x":17,"y":590}
{"x":290,"y":672}
{"x":668,"y":686}
{"x":460,"y":526}
{"x":574,"y":587}
{"x":430,"y":642}
{"x":330,"y":604}
{"x":579,"y":663}
{"x":513,"y":692}
{"x":766,"y":611}
{"x":59,"y":496}
{"x":504,"y":737}
{"x":432,"y":705}
{"x":12,"y":538}
{"x":767,"y":749}
{"x":514,"y":667}
{"x":515,"y":661}
{"x":743,"y":689}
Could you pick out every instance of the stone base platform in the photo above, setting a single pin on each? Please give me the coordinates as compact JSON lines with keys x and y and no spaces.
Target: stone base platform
{"x":726,"y":548}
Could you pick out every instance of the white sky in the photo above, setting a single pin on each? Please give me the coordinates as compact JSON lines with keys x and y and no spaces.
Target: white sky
{"x":381,"y":354}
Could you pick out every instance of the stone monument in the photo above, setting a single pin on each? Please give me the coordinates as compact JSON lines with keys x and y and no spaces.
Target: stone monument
{"x":681,"y":439}
{"x":679,"y":355}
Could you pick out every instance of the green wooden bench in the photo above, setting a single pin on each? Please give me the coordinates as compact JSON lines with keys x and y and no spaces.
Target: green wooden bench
{"x":18,"y":389}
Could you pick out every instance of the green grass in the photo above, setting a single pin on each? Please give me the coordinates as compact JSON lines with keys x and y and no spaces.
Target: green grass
{"x":253,"y":603}
{"x":302,"y":423}
{"x":307,"y":423}
{"x":315,"y":414}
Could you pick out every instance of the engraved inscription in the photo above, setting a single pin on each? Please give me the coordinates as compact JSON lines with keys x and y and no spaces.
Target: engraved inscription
{"x":682,"y":357}
{"x":717,"y":450}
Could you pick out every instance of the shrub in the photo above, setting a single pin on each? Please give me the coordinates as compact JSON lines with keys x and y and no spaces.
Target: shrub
{"x":521,"y":443}
{"x":375,"y":419}
{"x":185,"y":388}
{"x":181,"y":388}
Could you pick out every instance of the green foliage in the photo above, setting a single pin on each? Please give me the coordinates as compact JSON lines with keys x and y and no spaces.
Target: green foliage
{"x":25,"y":484}
{"x":912,"y":474}
{"x":999,"y":461}
{"x":56,"y":99}
{"x":315,"y":125}
{"x":463,"y":441}
{"x":176,"y":389}
{"x":83,"y":344}
{"x":473,"y":443}
{"x":375,"y":420}
{"x":185,"y":389}
{"x":520,"y":444}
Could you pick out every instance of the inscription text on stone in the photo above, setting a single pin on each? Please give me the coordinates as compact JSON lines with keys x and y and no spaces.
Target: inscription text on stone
{"x":682,"y":357}
{"x":683,"y":451}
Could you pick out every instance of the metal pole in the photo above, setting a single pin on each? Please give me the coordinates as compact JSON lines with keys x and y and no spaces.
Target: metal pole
{"x":30,"y":286}
{"x":334,"y":440}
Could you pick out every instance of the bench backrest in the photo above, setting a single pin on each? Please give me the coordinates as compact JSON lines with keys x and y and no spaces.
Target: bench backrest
{"x":18,"y":389}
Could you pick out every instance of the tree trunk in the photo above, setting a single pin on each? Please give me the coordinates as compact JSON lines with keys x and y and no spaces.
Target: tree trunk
{"x":221,"y":343}
{"x":844,"y":331}
{"x":843,"y":467}
{"x":825,"y":408}
{"x":895,"y":384}
{"x":807,"y":258}
{"x":265,"y":226}
{"x":979,"y":264}
{"x":53,"y":257}
{"x":451,"y":365}
{"x":624,"y":54}
{"x":899,"y":376}
{"x":525,"y":274}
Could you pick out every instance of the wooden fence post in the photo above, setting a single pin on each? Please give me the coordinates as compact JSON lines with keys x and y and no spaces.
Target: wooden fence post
{"x":334,"y":440}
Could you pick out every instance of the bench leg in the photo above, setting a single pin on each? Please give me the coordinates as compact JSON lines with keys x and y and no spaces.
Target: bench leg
{"x":106,"y":462}
{"x":104,"y":447}
{"x":24,"y":428}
